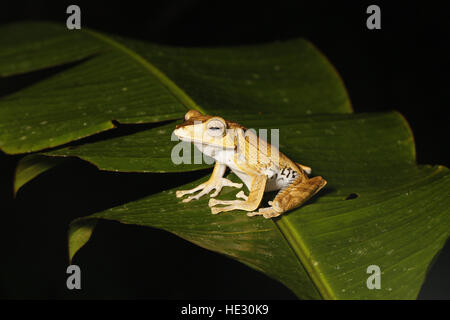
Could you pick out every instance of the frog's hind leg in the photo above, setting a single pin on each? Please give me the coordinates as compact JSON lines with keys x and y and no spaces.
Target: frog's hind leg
{"x":297,"y":193}
{"x":307,"y":170}
{"x":293,"y":196}
{"x":241,"y":195}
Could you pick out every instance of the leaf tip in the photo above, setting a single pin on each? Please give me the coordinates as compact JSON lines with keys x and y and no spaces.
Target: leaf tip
{"x":80,"y":231}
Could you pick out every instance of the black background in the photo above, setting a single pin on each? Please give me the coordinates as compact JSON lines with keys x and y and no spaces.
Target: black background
{"x":403,"y":66}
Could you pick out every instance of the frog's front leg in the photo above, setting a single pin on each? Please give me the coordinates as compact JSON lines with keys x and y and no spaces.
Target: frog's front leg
{"x":216,"y":181}
{"x":296,"y":194}
{"x":254,"y":198}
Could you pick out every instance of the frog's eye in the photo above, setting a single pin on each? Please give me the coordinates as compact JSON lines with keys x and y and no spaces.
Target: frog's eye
{"x":216,"y":127}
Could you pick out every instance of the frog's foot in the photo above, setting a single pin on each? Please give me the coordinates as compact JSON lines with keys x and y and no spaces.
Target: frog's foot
{"x":231,"y":205}
{"x":207,"y":187}
{"x":181,"y":193}
{"x":226,"y":183}
{"x":213,"y":202}
{"x":249,"y":204}
{"x":267,"y":213}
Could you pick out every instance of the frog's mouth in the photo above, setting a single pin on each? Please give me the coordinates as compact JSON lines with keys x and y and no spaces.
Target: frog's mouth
{"x":201,"y":142}
{"x":183,"y":137}
{"x":178,"y":133}
{"x":222,"y":143}
{"x":186,"y":138}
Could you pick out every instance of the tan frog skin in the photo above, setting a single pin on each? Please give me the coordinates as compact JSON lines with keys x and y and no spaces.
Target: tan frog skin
{"x":258,"y":164}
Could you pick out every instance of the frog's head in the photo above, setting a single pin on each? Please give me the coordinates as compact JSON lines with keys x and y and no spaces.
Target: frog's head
{"x":207,"y":130}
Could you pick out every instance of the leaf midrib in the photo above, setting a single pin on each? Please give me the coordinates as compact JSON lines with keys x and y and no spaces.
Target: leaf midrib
{"x":298,"y":246}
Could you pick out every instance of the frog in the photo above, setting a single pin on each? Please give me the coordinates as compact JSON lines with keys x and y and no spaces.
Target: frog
{"x":258,"y":164}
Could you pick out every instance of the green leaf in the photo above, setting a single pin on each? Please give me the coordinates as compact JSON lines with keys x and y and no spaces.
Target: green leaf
{"x":397,"y":217}
{"x":291,"y":77}
{"x":79,"y":234}
{"x":30,"y":46}
{"x":145,"y":151}
{"x":123,"y":80}
{"x":399,"y":220}
{"x":31,"y":166}
{"x":115,"y":84}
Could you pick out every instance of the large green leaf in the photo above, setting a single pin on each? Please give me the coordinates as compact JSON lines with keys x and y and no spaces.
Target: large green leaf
{"x":397,"y":218}
{"x":398,"y":221}
{"x":119,"y":80}
{"x":122,"y":86}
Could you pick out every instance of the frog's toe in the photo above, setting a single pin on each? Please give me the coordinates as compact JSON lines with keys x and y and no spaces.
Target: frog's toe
{"x":241,"y":195}
{"x":180,"y":193}
{"x":212,"y":202}
{"x":265,"y":212}
{"x":271,"y":214}
{"x":228,"y":183}
{"x":254,"y":213}
{"x":215,"y":210}
{"x":216,"y":193}
{"x":196,"y":197}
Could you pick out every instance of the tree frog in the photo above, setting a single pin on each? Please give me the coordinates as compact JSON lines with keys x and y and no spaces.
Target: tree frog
{"x":258,"y":164}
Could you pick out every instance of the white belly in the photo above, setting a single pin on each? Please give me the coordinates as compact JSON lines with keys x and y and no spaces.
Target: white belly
{"x":276,"y":178}
{"x":280,"y":178}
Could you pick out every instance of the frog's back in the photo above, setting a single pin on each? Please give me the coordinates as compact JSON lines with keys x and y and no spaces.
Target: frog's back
{"x":262,"y":157}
